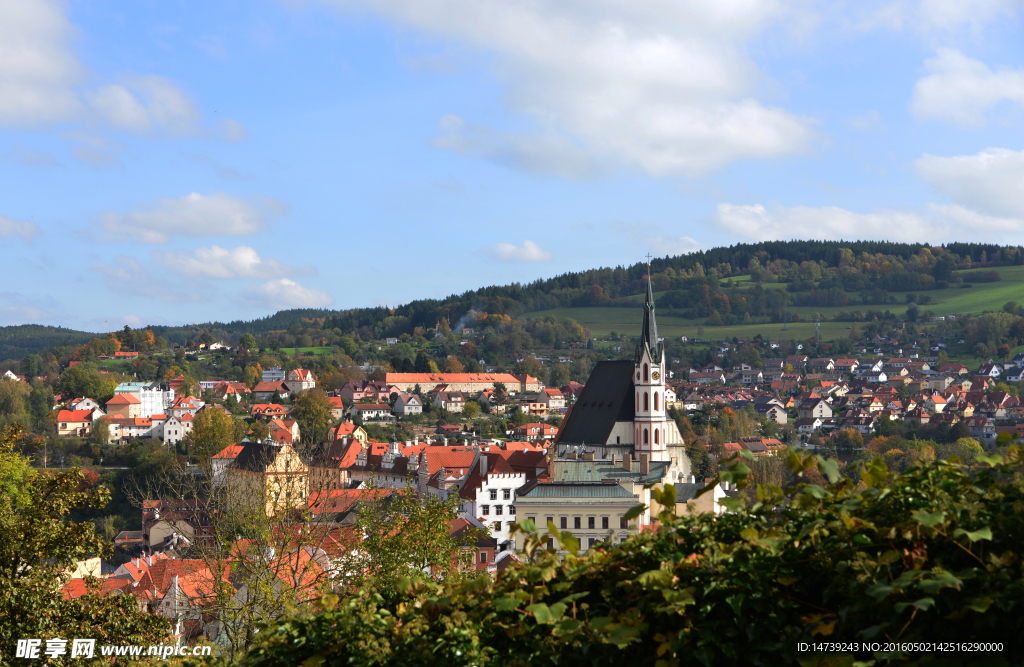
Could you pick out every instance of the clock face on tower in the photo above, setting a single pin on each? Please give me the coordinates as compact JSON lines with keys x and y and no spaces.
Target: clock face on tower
{"x":638,"y":375}
{"x":656,"y":375}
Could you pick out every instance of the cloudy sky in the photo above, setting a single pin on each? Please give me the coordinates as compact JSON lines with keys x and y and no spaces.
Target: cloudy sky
{"x":174,"y":162}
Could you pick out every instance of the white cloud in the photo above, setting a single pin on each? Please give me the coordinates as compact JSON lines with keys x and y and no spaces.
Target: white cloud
{"x":960,"y":90}
{"x":40,"y":83}
{"x":129,"y":278}
{"x":145,"y":105}
{"x":530,"y":252}
{"x":231,"y":131}
{"x":758,"y":223}
{"x":653,"y":238}
{"x":283,"y":293}
{"x":930,"y":16}
{"x":23,"y":228}
{"x":15,"y":310}
{"x":37,"y":67}
{"x":29,"y":157}
{"x":548,"y":152}
{"x":991,"y":181}
{"x":951,"y":14}
{"x":193,"y":215}
{"x":662,"y":85}
{"x":222,"y":263}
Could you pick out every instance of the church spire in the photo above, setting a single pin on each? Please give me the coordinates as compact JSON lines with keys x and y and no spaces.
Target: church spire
{"x":649,"y":330}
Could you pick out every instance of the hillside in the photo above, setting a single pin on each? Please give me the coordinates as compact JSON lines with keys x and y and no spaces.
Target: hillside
{"x":741,"y":290}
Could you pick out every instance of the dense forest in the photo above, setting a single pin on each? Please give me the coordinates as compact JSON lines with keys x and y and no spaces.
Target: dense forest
{"x":835,"y":274}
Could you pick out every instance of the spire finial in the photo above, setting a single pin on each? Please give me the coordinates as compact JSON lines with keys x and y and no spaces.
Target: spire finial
{"x":648,"y":260}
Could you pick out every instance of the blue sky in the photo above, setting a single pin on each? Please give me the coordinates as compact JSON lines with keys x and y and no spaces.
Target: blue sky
{"x":175,"y":162}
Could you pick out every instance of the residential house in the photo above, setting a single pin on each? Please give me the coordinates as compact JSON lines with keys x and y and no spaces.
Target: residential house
{"x":452,"y":401}
{"x":347,"y":430}
{"x":300,"y":379}
{"x":982,"y":428}
{"x":274,"y":374}
{"x":265,"y":390}
{"x":267,"y":476}
{"x":823,"y":364}
{"x":222,"y":460}
{"x":935,"y":403}
{"x":268,"y":411}
{"x":370,"y":411}
{"x":807,"y":424}
{"x":552,"y":399}
{"x":185,"y":405}
{"x":77,"y":423}
{"x":816,"y":407}
{"x":489,"y":494}
{"x":284,"y":431}
{"x":408,"y":404}
{"x":124,"y":405}
{"x":535,"y":431}
{"x":83,"y":404}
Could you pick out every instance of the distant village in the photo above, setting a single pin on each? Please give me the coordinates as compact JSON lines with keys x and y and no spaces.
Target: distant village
{"x":579,"y":457}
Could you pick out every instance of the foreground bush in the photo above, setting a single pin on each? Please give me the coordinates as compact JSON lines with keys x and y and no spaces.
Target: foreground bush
{"x":933,"y":555}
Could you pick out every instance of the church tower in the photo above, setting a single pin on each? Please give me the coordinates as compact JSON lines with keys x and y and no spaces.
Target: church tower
{"x":650,"y":425}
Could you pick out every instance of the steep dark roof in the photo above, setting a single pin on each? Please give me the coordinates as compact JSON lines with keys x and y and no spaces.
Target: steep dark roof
{"x":649,"y":329}
{"x":606,"y":399}
{"x":256,"y":456}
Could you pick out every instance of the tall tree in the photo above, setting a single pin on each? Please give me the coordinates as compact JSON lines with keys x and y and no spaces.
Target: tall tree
{"x":313,"y":412}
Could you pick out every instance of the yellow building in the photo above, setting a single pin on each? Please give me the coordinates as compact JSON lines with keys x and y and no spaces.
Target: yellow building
{"x":270,"y":475}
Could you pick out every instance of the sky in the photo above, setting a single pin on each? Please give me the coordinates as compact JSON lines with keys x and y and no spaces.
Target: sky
{"x":176,"y":162}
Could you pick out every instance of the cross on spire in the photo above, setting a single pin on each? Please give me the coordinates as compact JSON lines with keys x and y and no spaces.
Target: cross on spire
{"x":648,"y":259}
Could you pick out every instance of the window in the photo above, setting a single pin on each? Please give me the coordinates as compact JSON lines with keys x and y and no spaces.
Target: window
{"x":645,"y":372}
{"x":512,"y":510}
{"x":565,"y":522}
{"x":498,"y":509}
{"x":647,"y":405}
{"x":494,"y":494}
{"x":647,"y":438}
{"x":656,"y":435}
{"x":590,"y":523}
{"x":604,"y":523}
{"x":638,"y":401}
{"x":506,"y":494}
{"x":497,"y":526}
{"x":655,"y":400}
{"x":577,"y":522}
{"x":623,"y":523}
{"x":529,"y":518}
{"x":485,"y":509}
{"x":590,"y":543}
{"x":617,"y":440}
{"x":551,"y":520}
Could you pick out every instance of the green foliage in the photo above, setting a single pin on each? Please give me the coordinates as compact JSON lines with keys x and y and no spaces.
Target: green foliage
{"x":313,"y":413}
{"x":931,"y":555}
{"x":38,"y":547}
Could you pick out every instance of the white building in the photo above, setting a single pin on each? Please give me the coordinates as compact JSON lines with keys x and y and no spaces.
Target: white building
{"x":273,"y":374}
{"x":154,"y":399}
{"x":489,"y":495}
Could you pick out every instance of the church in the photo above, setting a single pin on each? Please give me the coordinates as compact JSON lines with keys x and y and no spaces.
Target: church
{"x":621,"y":410}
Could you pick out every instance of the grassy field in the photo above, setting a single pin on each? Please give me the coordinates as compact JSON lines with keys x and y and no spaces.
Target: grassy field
{"x":981,"y":297}
{"x":307,"y":350}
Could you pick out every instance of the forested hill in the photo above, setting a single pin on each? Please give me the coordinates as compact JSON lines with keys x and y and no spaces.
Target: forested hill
{"x":24,"y":339}
{"x":825,"y":273}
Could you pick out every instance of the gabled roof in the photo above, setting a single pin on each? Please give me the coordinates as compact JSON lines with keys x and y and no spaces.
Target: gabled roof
{"x":74,"y":416}
{"x":124,"y":399}
{"x":606,"y":398}
{"x":229,"y":452}
{"x":255,"y":456}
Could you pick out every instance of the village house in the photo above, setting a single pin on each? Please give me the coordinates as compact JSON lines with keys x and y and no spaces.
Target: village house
{"x":300,"y":379}
{"x":127,"y":406}
{"x":370,"y":411}
{"x":268,"y":477}
{"x":452,"y":401}
{"x":408,"y":404}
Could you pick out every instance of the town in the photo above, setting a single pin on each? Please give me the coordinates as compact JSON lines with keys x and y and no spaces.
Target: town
{"x":295,"y":468}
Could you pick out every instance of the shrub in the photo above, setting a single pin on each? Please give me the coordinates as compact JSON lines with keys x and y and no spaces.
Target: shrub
{"x":933,"y":555}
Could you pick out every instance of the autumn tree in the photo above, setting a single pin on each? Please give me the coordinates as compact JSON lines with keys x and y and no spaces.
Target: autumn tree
{"x":313,"y":413}
{"x":453,"y":365}
{"x":212,"y":431}
{"x":40,"y":546}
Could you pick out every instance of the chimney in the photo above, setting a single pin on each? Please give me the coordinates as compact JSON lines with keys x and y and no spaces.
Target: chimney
{"x":483,"y":466}
{"x":627,"y":463}
{"x":615,"y":459}
{"x":645,"y":465}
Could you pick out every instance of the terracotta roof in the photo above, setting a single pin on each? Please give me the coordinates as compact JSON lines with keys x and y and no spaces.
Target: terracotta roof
{"x":123,"y":399}
{"x":74,"y":416}
{"x":451,"y":378}
{"x":229,"y":452}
